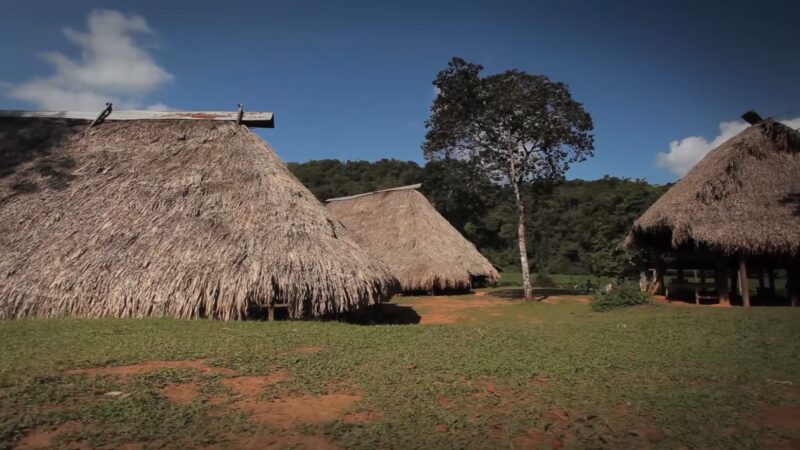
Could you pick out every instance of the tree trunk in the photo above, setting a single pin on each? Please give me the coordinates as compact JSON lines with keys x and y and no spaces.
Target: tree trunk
{"x":523,"y":247}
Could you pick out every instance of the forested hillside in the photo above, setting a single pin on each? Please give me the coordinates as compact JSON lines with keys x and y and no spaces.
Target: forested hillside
{"x":575,"y":226}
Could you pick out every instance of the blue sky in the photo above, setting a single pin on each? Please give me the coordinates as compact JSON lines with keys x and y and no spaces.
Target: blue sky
{"x":352,"y":80}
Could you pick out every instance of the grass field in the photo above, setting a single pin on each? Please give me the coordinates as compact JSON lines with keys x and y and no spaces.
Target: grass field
{"x":478,"y":372}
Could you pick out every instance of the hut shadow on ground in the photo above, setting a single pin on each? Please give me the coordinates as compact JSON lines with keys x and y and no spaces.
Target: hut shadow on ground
{"x":538,"y":293}
{"x":384,"y":314}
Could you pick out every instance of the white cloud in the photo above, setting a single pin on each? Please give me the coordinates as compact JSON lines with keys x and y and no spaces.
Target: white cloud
{"x":158,"y":107}
{"x":687,"y":152}
{"x":112,"y":67}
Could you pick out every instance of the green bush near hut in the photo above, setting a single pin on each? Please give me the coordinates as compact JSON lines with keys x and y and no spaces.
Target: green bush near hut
{"x":621,"y":296}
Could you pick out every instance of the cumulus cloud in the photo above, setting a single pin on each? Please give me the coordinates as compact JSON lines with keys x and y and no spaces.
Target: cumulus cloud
{"x":112,"y":66}
{"x":687,"y":152}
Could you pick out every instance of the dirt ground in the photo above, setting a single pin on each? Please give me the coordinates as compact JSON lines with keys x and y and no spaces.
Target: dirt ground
{"x":244,"y":394}
{"x":457,"y":309}
{"x":437,"y":310}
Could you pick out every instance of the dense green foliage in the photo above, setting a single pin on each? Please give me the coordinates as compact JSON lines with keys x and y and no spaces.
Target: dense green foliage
{"x":627,"y":294}
{"x":516,"y":127}
{"x":575,"y":227}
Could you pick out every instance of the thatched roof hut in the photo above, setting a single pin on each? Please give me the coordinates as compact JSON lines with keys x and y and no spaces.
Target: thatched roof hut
{"x":421,"y":248}
{"x":180,"y":218}
{"x":737,"y":208}
{"x":742,"y":198}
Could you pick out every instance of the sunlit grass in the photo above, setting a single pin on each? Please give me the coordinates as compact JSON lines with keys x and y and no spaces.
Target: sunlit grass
{"x":700,"y":373}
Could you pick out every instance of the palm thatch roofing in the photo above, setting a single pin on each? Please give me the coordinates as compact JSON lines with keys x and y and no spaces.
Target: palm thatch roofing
{"x":742,"y":198}
{"x":421,"y":248}
{"x":167,"y":218}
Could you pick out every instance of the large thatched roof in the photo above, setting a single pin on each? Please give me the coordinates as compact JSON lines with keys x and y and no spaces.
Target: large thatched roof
{"x":174,"y":218}
{"x":420,"y":246}
{"x":743,"y":197}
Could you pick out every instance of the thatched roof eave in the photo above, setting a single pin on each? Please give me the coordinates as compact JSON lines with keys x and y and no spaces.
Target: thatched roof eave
{"x":742,"y":198}
{"x":170,"y":218}
{"x":422,"y":249}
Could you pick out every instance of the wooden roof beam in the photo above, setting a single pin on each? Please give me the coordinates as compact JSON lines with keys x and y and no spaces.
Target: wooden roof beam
{"x":251,"y":119}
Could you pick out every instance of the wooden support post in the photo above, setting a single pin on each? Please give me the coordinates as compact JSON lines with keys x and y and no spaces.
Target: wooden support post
{"x":270,"y":313}
{"x":660,"y":269}
{"x":743,"y":281}
{"x":793,"y":281}
{"x":721,"y":278}
{"x":771,"y":279}
{"x":702,"y":276}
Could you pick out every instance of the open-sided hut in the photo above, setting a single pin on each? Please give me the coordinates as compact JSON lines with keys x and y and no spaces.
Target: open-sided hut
{"x":421,"y":248}
{"x":180,"y":218}
{"x":737,"y":211}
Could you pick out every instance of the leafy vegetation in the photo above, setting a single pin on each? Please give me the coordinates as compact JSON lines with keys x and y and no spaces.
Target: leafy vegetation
{"x":517,"y":128}
{"x":581,"y":283}
{"x":623,"y":295}
{"x":577,"y":230}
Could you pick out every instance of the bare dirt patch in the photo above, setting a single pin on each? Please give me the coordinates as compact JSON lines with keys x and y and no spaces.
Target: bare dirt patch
{"x":362,"y":417}
{"x":271,"y":442}
{"x":783,"y":444}
{"x":533,"y":438}
{"x":44,"y":437}
{"x":254,"y":385}
{"x":782,"y":417}
{"x":624,"y":409}
{"x":445,"y":403}
{"x":562,"y":427}
{"x":310,"y":349}
{"x":291,"y":411}
{"x":200,"y":365}
{"x":441,"y":310}
{"x":557,"y":415}
{"x":182,"y":394}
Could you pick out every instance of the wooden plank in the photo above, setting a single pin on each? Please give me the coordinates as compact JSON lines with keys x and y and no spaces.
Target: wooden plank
{"x":251,"y":119}
{"x":743,"y":281}
{"x":793,"y":281}
{"x":721,"y":277}
{"x":659,"y":283}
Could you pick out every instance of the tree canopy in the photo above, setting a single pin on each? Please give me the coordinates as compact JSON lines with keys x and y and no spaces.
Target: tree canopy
{"x":578,"y":229}
{"x":517,"y":126}
{"x":514,"y":126}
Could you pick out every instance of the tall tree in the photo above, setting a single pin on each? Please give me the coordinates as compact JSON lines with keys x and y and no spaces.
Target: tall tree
{"x":518,"y":127}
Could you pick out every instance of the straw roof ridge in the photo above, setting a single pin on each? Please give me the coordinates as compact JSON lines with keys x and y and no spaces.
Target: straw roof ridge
{"x":401,"y":188}
{"x":421,"y":248}
{"x":743,"y":197}
{"x":167,"y":218}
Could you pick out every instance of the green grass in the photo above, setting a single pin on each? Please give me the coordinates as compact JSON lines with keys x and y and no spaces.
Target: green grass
{"x":699,"y":375}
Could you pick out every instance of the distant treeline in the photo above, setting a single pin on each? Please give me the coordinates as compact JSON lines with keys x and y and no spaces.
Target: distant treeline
{"x":575,"y":226}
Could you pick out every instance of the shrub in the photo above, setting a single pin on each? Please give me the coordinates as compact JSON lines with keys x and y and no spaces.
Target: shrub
{"x":543,"y":280}
{"x":621,"y":296}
